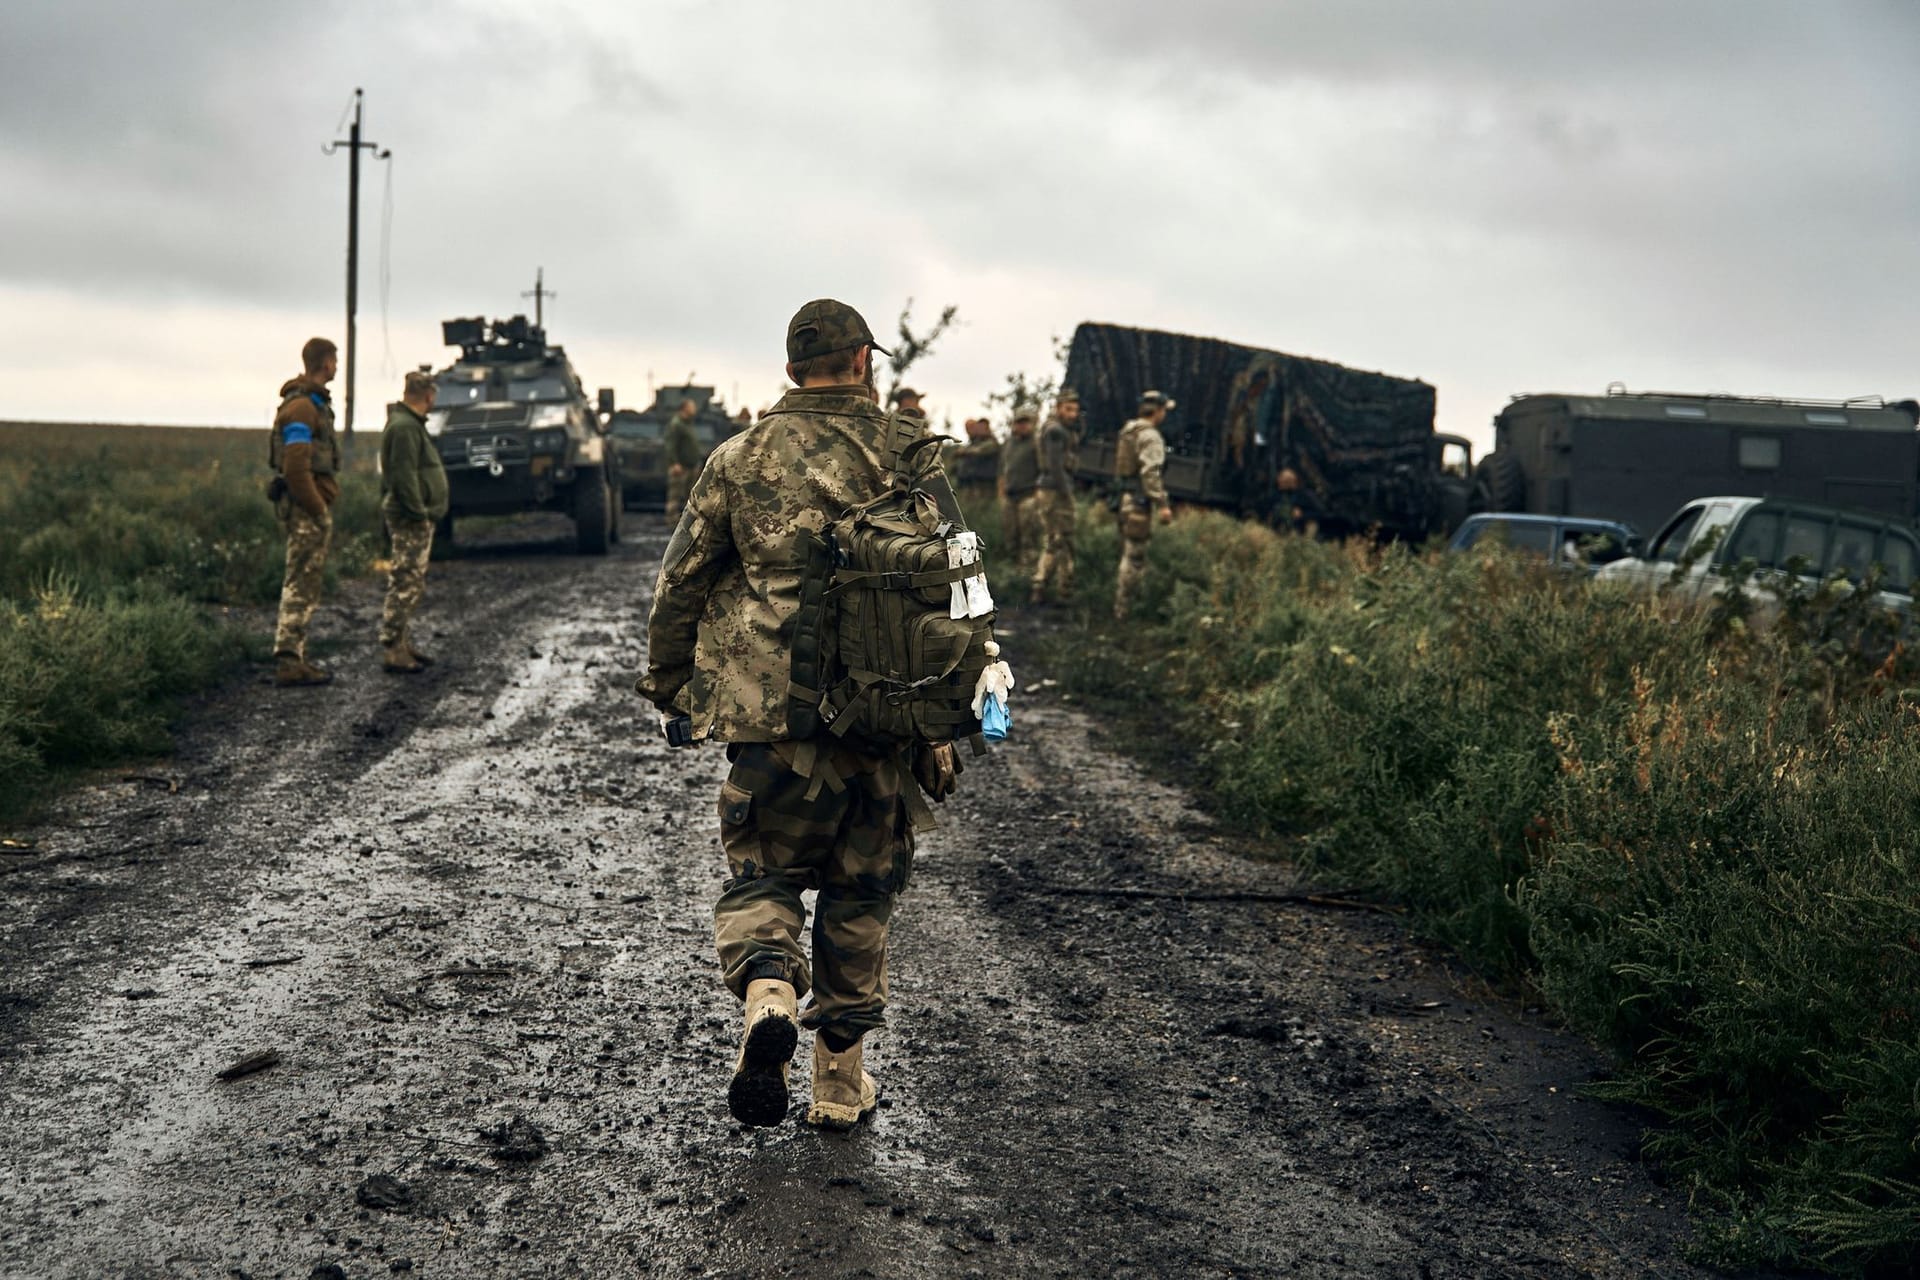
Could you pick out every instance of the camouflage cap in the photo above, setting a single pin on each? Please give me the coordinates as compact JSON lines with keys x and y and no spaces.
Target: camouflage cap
{"x":823,"y":327}
{"x":906,"y":393}
{"x":1067,"y":396}
{"x":1156,"y":400}
{"x":1025,"y":413}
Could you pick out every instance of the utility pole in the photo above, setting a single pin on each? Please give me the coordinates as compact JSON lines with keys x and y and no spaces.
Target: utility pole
{"x":354,"y":146}
{"x":539,"y":293}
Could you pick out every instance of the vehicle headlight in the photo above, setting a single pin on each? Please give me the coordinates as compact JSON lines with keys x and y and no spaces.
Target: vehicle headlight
{"x":548,"y":415}
{"x":548,"y":441}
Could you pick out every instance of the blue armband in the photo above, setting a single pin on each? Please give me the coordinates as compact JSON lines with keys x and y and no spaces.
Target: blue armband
{"x":296,"y":433}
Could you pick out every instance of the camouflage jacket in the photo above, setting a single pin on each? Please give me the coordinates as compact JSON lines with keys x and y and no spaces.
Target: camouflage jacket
{"x":1139,"y":457}
{"x":730,"y":582}
{"x":1059,"y":455}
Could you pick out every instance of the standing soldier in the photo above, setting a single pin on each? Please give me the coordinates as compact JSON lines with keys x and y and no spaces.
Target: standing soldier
{"x":975,"y":468}
{"x":306,"y":461}
{"x":683,"y":455}
{"x":1019,"y":471}
{"x":1051,"y":511}
{"x":907,"y":401}
{"x":724,"y":615}
{"x":1139,"y":456}
{"x":413,"y":498}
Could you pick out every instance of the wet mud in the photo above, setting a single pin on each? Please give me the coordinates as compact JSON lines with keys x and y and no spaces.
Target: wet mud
{"x":458,"y":928}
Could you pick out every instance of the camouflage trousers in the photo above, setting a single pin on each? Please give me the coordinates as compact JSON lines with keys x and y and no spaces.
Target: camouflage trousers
{"x":678,"y":487}
{"x":1136,"y":531}
{"x":1049,"y":513}
{"x":307,"y":542}
{"x":407,"y":578}
{"x":1017,"y":533}
{"x":784,"y":834}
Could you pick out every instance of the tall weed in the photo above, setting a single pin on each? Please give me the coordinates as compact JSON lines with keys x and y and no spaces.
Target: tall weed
{"x":1693,"y":834}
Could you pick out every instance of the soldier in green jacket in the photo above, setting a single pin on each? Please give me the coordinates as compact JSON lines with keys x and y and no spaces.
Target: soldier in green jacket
{"x":683,"y":455}
{"x":413,"y":498}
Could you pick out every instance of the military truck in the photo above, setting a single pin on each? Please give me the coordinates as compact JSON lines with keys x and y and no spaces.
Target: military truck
{"x":639,"y":438}
{"x":1361,"y":444}
{"x":1640,"y":456}
{"x":517,"y":432}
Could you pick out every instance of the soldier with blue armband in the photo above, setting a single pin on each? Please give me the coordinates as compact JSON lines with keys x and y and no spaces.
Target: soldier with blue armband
{"x":305,"y":455}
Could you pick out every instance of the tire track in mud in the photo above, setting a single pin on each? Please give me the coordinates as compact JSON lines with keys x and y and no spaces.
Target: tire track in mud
{"x":488,"y":895}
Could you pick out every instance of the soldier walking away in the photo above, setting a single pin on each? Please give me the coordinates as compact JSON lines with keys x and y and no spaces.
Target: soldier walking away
{"x":801,"y":809}
{"x":1139,"y":457}
{"x":683,"y":456}
{"x":1019,"y":472}
{"x":1051,"y":506}
{"x":306,"y":462}
{"x":413,"y":498}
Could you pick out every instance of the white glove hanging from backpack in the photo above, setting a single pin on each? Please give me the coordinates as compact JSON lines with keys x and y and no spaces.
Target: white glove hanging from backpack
{"x":971,"y":598}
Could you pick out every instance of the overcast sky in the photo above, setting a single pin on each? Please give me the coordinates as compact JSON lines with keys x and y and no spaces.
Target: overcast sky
{"x":1497,"y":196}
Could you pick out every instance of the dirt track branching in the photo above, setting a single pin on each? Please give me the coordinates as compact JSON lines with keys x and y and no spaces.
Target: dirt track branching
{"x":1693,"y":836}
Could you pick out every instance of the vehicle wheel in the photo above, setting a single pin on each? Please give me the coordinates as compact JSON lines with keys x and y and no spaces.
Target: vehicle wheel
{"x":592,"y":511}
{"x":1499,"y":484}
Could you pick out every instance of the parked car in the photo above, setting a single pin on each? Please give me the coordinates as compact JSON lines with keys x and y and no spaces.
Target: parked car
{"x":1711,"y":536}
{"x":1566,"y":542}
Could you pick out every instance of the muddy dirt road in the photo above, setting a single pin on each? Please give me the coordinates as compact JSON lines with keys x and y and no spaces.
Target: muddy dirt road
{"x":482,"y":896}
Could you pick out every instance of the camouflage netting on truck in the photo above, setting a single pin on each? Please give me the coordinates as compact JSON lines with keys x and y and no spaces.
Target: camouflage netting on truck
{"x":1361,"y":443}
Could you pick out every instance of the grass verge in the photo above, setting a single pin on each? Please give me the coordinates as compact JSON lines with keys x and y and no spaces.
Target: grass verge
{"x":118,"y":540}
{"x":1693,"y":837}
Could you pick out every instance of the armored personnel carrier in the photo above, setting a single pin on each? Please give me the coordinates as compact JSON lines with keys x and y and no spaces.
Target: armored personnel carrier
{"x":517,"y":432}
{"x":1362,"y":445}
{"x":639,"y":438}
{"x":1638,"y":457}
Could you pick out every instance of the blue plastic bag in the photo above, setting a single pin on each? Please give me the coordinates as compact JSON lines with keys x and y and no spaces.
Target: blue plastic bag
{"x":995,"y":719}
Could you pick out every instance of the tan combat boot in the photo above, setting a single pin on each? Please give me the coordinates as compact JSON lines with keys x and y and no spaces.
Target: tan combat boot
{"x":843,"y":1092}
{"x":757,"y":1094}
{"x":418,"y":656}
{"x":296,"y":670}
{"x":399,"y":660}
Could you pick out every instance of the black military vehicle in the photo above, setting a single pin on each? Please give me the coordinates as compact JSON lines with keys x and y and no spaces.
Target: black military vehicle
{"x":1638,"y":457}
{"x":639,"y":438}
{"x":1362,"y":445}
{"x":517,"y":432}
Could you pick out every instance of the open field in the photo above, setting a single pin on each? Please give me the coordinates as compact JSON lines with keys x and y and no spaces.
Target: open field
{"x":122,"y":544}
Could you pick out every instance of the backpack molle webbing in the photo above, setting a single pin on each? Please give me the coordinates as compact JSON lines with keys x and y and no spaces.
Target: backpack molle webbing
{"x":878,"y":660}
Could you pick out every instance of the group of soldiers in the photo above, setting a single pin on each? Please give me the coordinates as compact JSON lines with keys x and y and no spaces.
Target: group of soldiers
{"x":307,"y":459}
{"x":1031,"y":476}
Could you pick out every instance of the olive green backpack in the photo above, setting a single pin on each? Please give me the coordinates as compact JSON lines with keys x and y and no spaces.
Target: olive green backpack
{"x":878,"y":659}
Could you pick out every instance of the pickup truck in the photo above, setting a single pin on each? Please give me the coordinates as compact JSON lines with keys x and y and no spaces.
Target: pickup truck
{"x":1713,"y":535}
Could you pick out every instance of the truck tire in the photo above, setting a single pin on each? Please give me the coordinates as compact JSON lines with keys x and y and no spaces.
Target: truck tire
{"x":592,"y":511}
{"x":1499,"y":484}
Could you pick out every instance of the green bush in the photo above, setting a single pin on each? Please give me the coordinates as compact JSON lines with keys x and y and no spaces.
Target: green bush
{"x":117,"y":538}
{"x":87,"y":683}
{"x":1693,"y":836}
